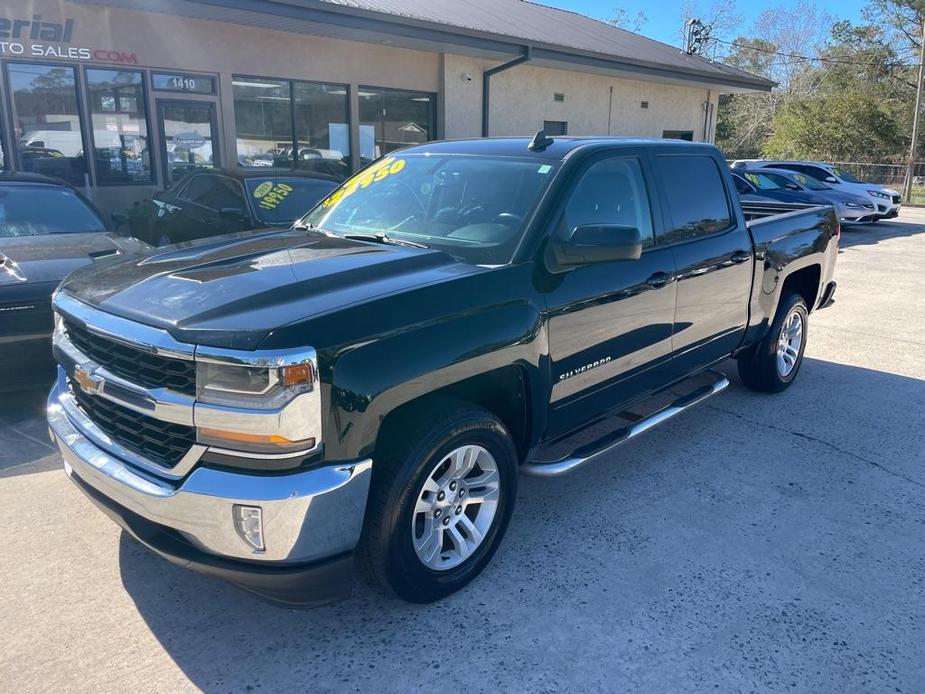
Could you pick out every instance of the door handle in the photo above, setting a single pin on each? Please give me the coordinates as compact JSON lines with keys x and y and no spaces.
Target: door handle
{"x":740,"y":256}
{"x":659,"y":279}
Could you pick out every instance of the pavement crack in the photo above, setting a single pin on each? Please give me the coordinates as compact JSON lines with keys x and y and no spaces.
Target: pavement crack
{"x":823,"y":442}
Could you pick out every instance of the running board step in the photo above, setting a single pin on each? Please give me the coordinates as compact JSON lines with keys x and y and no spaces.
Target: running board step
{"x":605,"y":444}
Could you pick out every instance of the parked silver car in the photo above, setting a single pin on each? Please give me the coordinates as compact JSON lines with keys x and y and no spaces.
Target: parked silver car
{"x":886,"y":200}
{"x":850,"y":208}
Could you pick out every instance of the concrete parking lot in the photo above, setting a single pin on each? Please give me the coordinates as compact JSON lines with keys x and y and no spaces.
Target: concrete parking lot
{"x":756,"y":543}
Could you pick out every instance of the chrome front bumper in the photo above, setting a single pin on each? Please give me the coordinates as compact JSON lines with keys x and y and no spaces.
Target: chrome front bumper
{"x":307,"y":515}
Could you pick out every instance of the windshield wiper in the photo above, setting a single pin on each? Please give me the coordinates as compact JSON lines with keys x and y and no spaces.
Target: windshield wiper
{"x":382,"y":237}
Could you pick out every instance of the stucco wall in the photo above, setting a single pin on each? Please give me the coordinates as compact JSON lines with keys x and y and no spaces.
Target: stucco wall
{"x":522,"y":98}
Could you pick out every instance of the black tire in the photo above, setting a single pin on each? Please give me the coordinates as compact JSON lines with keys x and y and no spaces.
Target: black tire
{"x":408,"y":454}
{"x":758,"y":366}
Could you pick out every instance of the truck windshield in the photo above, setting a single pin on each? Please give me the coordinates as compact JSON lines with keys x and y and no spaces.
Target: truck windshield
{"x":472,"y":207}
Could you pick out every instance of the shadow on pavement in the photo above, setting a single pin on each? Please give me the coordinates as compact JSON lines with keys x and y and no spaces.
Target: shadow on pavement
{"x":678,"y":554}
{"x":25,"y":447}
{"x":872,"y":234}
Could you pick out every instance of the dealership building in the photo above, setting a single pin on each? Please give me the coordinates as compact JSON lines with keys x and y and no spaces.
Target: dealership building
{"x":152,"y":88}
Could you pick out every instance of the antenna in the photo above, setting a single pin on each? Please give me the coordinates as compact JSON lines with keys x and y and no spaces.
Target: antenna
{"x":540,"y":142}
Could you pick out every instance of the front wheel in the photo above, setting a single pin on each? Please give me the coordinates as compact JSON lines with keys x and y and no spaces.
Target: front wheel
{"x":442,"y":494}
{"x":773,"y":364}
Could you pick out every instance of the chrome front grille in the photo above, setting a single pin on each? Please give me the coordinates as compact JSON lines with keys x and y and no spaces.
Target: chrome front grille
{"x":162,"y":442}
{"x":133,"y":364}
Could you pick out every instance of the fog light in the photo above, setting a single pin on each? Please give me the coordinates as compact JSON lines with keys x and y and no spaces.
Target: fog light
{"x":248,"y":521}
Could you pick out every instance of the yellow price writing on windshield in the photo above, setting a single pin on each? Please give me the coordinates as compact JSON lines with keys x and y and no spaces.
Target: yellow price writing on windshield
{"x":375,"y":173}
{"x":270,"y":195}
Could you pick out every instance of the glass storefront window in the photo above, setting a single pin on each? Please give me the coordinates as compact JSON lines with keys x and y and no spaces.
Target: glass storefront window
{"x":322,"y":128}
{"x":263,"y":118}
{"x":186,"y":129}
{"x":120,"y":129}
{"x":46,"y":122}
{"x":318,"y":139}
{"x":391,"y":118}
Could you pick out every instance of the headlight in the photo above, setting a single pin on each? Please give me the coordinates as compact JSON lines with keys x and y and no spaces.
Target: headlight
{"x":259,"y":408}
{"x":251,"y":387}
{"x":878,"y":194}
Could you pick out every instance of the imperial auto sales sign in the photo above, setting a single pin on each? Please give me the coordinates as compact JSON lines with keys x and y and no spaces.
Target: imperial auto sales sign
{"x":36,"y":38}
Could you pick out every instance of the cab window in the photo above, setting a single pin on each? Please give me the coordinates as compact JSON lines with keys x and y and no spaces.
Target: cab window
{"x":696,"y":197}
{"x":612,"y":191}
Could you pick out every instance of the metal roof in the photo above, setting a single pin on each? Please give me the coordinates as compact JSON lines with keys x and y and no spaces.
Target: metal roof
{"x":537,"y":24}
{"x":486,"y":28}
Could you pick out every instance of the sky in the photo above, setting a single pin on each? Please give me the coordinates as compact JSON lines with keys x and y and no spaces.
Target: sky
{"x":664,"y":16}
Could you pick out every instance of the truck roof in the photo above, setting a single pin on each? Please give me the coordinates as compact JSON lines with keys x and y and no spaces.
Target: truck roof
{"x":560,"y":148}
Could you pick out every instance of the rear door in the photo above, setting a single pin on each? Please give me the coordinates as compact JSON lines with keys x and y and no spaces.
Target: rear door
{"x":714,"y":256}
{"x":609,"y":323}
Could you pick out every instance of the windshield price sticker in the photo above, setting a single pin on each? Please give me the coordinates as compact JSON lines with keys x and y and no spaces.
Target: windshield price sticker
{"x":377,"y":172}
{"x":271,"y":195}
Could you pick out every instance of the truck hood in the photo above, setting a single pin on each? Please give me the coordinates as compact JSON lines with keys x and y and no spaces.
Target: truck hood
{"x":49,"y":258}
{"x":232,"y":292}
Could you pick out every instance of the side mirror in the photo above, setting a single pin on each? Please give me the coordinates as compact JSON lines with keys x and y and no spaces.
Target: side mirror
{"x":234,"y":214}
{"x":792,"y":186}
{"x":596,"y":243}
{"x":830,"y":179}
{"x":118,"y":219}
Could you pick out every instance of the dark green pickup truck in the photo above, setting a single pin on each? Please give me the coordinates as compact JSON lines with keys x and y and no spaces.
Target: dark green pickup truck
{"x":369,"y":383}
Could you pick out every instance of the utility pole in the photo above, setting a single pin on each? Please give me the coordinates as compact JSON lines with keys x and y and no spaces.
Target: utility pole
{"x":907,"y":185}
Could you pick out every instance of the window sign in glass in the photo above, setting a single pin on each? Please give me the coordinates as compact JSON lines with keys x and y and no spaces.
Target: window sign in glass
{"x":263,"y":118}
{"x":321,"y":128}
{"x":390,"y":119}
{"x":46,"y":122}
{"x":116,"y":101}
{"x":187,"y":84}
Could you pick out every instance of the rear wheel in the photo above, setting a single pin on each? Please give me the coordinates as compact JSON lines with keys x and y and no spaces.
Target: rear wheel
{"x":773,"y":364}
{"x":442,"y":494}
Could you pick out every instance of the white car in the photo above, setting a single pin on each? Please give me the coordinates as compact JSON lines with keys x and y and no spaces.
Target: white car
{"x":887,"y":200}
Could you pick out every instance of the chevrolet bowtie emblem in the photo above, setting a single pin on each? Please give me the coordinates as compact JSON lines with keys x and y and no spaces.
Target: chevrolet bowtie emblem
{"x":87,"y":381}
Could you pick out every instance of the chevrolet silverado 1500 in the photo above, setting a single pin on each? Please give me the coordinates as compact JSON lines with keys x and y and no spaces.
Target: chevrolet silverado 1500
{"x":369,"y":383}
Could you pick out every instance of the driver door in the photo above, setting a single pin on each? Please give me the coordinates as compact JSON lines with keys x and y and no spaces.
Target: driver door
{"x":610,"y":323}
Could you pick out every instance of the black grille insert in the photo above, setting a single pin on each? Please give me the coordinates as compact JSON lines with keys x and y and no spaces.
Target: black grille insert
{"x":161,"y":442}
{"x":132,"y":364}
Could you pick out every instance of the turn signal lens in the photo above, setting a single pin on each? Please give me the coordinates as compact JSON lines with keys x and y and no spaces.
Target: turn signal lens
{"x":299,"y":374}
{"x":248,"y":522}
{"x":219,"y":437}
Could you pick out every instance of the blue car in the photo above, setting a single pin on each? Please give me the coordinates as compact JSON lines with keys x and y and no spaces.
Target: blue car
{"x":760,"y":186}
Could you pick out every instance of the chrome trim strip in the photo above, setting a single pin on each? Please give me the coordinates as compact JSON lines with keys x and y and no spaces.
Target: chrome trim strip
{"x":573,"y":461}
{"x":127,"y":332}
{"x":262,"y":456}
{"x":89,"y":429}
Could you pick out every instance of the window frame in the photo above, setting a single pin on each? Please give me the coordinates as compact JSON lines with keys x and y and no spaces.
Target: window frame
{"x":580,"y":177}
{"x":13,"y":154}
{"x":432,"y":126}
{"x":217,"y":175}
{"x":293,"y":141}
{"x":560,"y":192}
{"x":734,"y":222}
{"x":154,"y":179}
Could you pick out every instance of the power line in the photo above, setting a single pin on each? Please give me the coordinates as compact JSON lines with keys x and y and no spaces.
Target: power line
{"x":797,"y":56}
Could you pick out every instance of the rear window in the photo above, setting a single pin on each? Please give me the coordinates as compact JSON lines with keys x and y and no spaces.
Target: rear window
{"x":282,"y":200}
{"x":37,"y":210}
{"x":696,"y":197}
